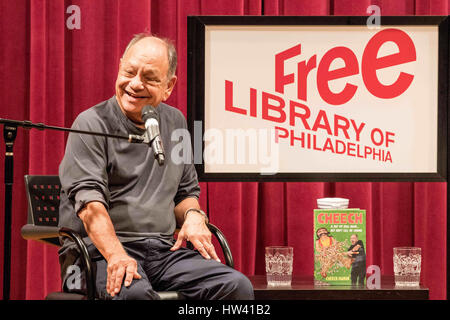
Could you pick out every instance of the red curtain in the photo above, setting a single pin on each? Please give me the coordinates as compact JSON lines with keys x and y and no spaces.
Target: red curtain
{"x":51,"y":73}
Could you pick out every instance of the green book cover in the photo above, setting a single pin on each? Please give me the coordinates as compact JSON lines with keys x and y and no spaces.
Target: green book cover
{"x":339,"y":247}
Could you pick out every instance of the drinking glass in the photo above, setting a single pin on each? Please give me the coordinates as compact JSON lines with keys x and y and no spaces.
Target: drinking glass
{"x":407,"y":265}
{"x":279,"y":260}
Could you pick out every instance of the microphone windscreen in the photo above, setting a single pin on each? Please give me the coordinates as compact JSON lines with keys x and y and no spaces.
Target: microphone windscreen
{"x":148,"y":112}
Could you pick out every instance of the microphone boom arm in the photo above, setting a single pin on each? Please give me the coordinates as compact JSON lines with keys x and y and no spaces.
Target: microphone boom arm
{"x":40,"y":126}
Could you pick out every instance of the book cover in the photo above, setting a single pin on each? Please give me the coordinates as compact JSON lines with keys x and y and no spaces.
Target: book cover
{"x":339,"y":247}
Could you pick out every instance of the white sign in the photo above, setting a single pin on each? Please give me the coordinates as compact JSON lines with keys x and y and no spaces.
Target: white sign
{"x":312,"y":99}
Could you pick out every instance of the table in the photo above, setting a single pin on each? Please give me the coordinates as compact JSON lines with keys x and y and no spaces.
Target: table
{"x":303,"y":288}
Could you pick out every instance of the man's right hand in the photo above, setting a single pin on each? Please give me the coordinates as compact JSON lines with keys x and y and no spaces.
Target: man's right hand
{"x":120,"y":265}
{"x":100,"y":229}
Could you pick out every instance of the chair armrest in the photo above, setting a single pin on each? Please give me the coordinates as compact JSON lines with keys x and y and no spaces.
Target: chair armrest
{"x":33,"y":232}
{"x":223,"y":243}
{"x":45,"y":234}
{"x":40,"y":233}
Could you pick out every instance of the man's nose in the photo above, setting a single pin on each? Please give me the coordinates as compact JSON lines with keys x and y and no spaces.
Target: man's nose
{"x":136,"y":83}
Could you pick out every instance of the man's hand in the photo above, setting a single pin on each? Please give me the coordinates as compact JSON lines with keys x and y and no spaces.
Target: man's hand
{"x":120,"y":265}
{"x":195,"y":230}
{"x":100,"y":229}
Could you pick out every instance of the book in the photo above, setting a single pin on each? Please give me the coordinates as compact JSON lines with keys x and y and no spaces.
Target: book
{"x":339,"y":247}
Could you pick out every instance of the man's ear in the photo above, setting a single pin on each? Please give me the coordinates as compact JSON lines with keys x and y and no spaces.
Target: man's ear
{"x":170,"y":86}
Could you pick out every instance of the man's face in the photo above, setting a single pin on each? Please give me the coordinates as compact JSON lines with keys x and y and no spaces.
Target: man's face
{"x":322,"y":233}
{"x":353,"y":239}
{"x":142,"y":78}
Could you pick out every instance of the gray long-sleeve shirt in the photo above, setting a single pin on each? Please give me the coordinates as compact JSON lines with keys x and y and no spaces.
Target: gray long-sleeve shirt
{"x":139,"y":194}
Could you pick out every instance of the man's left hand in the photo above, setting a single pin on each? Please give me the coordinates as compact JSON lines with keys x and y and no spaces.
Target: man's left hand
{"x":194,"y":229}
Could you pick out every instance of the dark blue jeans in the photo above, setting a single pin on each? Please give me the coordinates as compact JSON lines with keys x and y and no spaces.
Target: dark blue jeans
{"x":184,"y":271}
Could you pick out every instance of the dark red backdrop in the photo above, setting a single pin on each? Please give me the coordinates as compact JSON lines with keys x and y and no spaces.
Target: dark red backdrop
{"x":50,"y":74}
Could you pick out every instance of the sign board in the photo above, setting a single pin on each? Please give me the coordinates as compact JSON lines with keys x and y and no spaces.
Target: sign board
{"x":318,"y":98}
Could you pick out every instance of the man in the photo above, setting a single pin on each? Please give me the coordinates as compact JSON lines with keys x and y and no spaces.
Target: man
{"x":324,"y":239}
{"x":127,"y":206}
{"x":358,"y":255}
{"x":329,"y":252}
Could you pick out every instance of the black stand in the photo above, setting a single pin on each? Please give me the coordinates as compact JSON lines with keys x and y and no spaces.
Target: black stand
{"x":9,"y":135}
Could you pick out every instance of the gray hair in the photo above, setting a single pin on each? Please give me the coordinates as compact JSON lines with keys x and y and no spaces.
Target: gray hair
{"x":171,"y":51}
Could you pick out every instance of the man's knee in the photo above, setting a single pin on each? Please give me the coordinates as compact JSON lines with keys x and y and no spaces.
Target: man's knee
{"x":137,"y":290}
{"x":237,"y":287}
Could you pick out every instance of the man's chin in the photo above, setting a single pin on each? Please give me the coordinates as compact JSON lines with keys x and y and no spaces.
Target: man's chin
{"x":131,"y":109}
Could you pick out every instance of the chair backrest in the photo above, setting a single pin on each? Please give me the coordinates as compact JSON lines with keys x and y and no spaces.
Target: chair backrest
{"x":43,"y":199}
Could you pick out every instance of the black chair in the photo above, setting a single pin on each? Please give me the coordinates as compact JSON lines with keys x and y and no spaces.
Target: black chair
{"x":42,"y":225}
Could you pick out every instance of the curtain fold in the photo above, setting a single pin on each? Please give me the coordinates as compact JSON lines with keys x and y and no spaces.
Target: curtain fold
{"x":52,"y":73}
{"x":14,"y":78}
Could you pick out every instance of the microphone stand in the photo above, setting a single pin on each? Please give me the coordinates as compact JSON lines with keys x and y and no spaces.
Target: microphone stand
{"x":9,"y":135}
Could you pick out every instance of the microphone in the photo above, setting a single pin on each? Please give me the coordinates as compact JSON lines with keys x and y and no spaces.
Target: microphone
{"x":150,"y":117}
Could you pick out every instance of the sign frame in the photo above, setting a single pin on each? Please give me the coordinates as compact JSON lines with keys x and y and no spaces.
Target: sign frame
{"x":196,"y":94}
